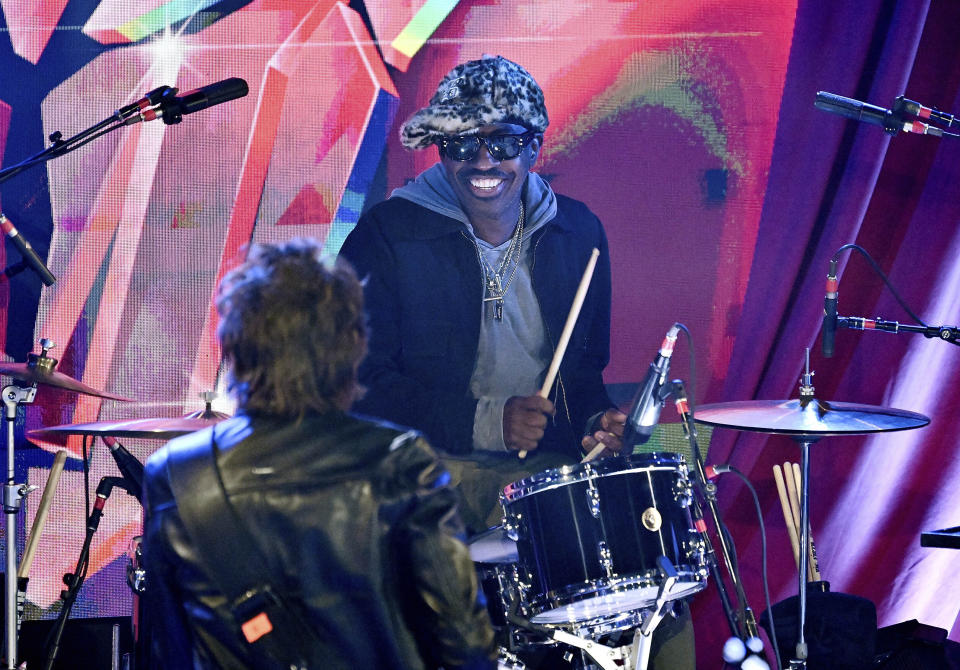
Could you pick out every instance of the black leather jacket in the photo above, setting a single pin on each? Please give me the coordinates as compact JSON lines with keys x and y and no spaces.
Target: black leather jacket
{"x":358,"y":519}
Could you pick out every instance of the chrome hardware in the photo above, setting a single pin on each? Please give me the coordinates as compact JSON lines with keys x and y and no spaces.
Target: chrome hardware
{"x":682,"y":492}
{"x":593,"y":499}
{"x":606,"y":561}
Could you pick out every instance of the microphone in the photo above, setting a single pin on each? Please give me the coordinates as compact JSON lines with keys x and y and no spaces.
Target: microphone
{"x":104,"y":489}
{"x":163,"y":103}
{"x":890,"y":120}
{"x":129,"y":466}
{"x":830,"y":311}
{"x":29,"y":255}
{"x":648,"y":402}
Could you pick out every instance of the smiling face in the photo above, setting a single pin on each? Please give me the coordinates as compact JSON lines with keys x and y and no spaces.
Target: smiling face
{"x":488,"y":189}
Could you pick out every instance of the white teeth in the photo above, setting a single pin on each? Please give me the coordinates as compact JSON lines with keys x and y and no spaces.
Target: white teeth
{"x":487,"y":184}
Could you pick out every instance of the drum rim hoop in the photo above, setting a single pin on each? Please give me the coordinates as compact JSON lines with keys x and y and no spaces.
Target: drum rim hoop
{"x":572,"y":474}
{"x":614,"y":585}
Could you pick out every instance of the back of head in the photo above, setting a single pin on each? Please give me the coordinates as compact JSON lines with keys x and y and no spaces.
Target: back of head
{"x":292,"y":329}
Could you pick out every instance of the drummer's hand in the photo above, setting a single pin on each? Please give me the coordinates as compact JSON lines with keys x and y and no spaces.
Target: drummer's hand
{"x":611,"y":430}
{"x":524,"y":420}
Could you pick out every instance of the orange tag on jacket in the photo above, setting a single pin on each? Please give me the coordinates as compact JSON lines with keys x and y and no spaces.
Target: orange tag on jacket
{"x":256,"y":627}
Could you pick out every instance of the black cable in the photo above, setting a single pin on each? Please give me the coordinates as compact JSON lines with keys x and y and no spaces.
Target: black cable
{"x":691,"y":404}
{"x":876,"y":268}
{"x":763,"y":553}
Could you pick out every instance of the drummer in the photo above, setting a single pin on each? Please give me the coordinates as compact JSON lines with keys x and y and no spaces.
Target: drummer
{"x":471,"y":270}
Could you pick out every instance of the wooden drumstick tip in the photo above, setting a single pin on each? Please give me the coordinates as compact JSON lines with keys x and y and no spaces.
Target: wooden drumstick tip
{"x":596,"y":451}
{"x":787,"y":514}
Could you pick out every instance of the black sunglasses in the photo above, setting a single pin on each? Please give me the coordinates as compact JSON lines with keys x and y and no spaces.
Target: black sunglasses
{"x":501,"y":147}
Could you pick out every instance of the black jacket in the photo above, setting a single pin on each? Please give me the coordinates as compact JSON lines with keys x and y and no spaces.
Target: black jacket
{"x":423,"y":294}
{"x":356,"y":521}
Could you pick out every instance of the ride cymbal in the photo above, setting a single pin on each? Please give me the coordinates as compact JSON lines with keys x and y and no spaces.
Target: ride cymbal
{"x":807,"y":417}
{"x":153,"y":428}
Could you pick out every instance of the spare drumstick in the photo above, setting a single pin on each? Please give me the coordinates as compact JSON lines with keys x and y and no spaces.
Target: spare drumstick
{"x":41,"y":519}
{"x":568,"y":329}
{"x":794,"y":498}
{"x":811,"y":548}
{"x":787,"y":514}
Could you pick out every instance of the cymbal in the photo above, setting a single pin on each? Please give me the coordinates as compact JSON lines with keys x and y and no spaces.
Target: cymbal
{"x":33,"y":374}
{"x":810,"y":417}
{"x":492,"y":546}
{"x":157,"y":429}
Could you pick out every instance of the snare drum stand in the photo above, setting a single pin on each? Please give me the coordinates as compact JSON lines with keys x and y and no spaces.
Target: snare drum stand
{"x":634,"y":656}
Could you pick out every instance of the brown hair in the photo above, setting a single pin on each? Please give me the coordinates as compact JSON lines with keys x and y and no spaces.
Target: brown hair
{"x":292,"y":329}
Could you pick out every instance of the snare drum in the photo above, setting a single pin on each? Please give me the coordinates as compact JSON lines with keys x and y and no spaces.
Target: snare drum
{"x":588,"y":537}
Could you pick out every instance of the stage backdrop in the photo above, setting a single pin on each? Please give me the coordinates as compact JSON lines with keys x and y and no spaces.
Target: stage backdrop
{"x":687,"y":125}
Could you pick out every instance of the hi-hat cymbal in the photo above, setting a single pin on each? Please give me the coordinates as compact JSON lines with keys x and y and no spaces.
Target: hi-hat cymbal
{"x":33,"y":374}
{"x":493,"y":546}
{"x":810,"y":417}
{"x":157,"y":429}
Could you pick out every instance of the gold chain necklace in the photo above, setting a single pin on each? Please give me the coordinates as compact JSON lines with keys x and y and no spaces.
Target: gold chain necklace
{"x":493,"y":283}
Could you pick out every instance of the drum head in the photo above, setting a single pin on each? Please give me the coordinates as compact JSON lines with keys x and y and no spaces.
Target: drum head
{"x":492,"y":546}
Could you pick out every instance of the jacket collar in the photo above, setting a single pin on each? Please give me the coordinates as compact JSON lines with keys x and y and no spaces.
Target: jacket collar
{"x":432,"y":191}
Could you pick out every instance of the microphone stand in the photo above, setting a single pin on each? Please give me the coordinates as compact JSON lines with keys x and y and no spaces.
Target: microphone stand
{"x":748,"y":627}
{"x":949,"y":334}
{"x":75,"y":580}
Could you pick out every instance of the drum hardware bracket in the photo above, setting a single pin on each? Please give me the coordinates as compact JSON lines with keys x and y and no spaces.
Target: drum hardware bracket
{"x":593,"y":499}
{"x":12,"y":495}
{"x":606,"y":560}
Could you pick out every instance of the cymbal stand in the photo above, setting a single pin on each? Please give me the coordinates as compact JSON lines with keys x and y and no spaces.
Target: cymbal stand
{"x":13,"y":396}
{"x":75,"y":579}
{"x":799,"y":662}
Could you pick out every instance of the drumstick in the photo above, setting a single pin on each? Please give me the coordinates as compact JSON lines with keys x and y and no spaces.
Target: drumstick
{"x":40,"y":520}
{"x":791,"y":483}
{"x":787,"y":514}
{"x":567,"y":329}
{"x":812,"y":548}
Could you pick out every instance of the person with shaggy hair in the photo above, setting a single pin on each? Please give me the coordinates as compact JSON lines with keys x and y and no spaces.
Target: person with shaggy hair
{"x":296,"y":534}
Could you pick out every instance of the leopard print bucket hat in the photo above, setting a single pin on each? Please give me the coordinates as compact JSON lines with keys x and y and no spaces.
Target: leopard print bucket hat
{"x":477,"y":93}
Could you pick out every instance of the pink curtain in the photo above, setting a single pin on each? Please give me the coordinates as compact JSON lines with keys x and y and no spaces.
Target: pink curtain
{"x":834,"y":182}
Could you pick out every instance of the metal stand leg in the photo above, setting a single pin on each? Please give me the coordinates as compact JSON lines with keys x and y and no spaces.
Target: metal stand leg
{"x":13,"y":397}
{"x":800,"y":661}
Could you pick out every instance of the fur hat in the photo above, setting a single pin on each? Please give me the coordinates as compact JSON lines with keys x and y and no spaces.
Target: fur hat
{"x":477,"y":93}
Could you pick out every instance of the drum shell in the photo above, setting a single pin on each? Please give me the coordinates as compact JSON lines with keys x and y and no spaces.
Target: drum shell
{"x":586,"y":531}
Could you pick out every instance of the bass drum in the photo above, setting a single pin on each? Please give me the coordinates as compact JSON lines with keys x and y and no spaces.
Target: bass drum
{"x":588,"y":537}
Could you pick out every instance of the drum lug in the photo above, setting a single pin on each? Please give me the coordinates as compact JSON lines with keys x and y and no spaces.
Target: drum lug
{"x":510,"y":525}
{"x":682,"y":492}
{"x":696,"y":550}
{"x":606,"y":561}
{"x":593,"y":499}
